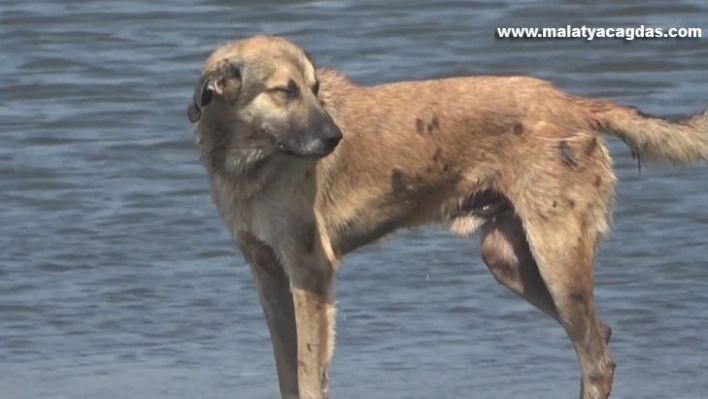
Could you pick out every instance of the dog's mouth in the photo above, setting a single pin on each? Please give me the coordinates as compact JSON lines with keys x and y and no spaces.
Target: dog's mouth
{"x":285,"y":149}
{"x":315,"y":149}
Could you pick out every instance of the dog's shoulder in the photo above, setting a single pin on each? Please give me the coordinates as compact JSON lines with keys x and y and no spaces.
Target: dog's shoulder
{"x":331,"y":76}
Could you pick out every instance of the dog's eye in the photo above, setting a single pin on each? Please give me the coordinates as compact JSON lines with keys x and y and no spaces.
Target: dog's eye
{"x":291,"y":90}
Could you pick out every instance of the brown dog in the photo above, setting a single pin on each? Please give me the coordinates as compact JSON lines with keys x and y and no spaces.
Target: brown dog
{"x":511,"y":155}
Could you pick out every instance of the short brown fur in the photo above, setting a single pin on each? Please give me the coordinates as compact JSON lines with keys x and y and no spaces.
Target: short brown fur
{"x":511,"y":156}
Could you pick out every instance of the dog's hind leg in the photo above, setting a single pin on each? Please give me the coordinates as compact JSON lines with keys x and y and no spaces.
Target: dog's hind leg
{"x":506,"y":253}
{"x":276,"y":300}
{"x":564,"y":250}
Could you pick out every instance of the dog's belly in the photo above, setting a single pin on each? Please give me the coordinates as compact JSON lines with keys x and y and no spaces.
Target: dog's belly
{"x":465,"y":217}
{"x":358,"y":233}
{"x":473,"y":211}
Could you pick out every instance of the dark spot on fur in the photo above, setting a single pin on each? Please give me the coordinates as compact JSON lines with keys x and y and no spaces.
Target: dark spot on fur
{"x":567,"y":154}
{"x":419,"y":125}
{"x":518,"y":129}
{"x":398,"y":181}
{"x":437,"y":166}
{"x":592,"y":146}
{"x":309,"y":348}
{"x":598,"y":181}
{"x":555,"y":204}
{"x":433,"y":125}
{"x":309,"y":238}
{"x":571,"y":203}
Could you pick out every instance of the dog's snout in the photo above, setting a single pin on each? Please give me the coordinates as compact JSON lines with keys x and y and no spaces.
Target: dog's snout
{"x":316,"y":139}
{"x":331,"y":136}
{"x":331,"y":142}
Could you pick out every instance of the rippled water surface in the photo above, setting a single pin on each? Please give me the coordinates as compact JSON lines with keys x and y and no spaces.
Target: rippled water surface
{"x":117,"y":279}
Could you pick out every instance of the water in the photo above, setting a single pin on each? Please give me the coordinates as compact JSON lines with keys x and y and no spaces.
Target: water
{"x":117,"y":279}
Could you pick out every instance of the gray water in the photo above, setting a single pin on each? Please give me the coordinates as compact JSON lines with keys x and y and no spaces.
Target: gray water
{"x":117,"y":279}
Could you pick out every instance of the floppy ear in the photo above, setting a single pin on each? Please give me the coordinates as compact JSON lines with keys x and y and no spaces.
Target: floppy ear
{"x":202,"y":97}
{"x":225,"y":81}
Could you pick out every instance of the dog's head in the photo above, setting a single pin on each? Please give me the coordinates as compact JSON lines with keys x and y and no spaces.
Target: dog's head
{"x":262,"y":93}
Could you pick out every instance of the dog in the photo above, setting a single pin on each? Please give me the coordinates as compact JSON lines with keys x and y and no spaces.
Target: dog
{"x":305,"y":167}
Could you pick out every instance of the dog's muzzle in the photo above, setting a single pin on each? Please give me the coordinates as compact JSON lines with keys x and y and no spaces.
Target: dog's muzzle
{"x":314,"y":143}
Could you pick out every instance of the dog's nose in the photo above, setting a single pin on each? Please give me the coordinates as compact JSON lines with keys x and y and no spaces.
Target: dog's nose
{"x":331,"y":136}
{"x":331,"y":142}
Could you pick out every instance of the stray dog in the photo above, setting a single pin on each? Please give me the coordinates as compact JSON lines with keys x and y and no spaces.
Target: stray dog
{"x":306,"y":166}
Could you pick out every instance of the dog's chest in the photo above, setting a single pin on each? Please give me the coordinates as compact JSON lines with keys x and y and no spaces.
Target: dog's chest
{"x":268,"y":216}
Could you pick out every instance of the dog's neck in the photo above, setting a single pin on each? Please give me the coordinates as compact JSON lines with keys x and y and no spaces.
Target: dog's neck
{"x":224,"y":158}
{"x":266,"y":197}
{"x":251,"y":172}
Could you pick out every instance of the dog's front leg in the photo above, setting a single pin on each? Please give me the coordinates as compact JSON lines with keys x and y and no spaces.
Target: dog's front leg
{"x":276,"y":300}
{"x":312,"y":279}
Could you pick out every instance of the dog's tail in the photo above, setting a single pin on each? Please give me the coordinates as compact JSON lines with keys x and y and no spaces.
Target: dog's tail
{"x":655,"y":139}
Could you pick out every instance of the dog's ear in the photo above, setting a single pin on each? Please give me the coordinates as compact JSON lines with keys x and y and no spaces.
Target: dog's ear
{"x":225,"y":81}
{"x":201,"y":97}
